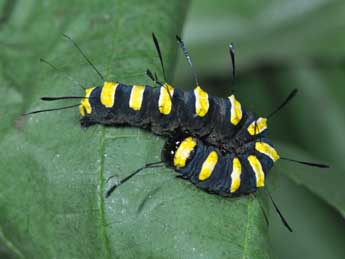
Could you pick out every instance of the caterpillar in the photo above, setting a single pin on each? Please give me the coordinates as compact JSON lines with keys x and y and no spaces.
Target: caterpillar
{"x":212,"y":142}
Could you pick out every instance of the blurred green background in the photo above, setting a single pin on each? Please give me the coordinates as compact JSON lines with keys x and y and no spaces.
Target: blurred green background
{"x":50,"y":200}
{"x":281,"y":45}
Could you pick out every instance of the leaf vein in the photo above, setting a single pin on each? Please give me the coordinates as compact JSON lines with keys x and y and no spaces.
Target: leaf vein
{"x":245,"y":247}
{"x":101,"y":198}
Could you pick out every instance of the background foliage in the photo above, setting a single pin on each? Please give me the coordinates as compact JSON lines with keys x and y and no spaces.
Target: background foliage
{"x":282,"y":45}
{"x":53,"y":173}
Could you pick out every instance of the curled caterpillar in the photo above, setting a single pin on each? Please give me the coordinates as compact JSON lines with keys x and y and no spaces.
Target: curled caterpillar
{"x":212,"y":142}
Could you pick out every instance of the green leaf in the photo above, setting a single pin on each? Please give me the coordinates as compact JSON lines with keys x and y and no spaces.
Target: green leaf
{"x":53,"y":172}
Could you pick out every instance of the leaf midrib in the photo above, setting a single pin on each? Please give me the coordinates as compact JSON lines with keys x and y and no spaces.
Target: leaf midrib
{"x":101,"y":198}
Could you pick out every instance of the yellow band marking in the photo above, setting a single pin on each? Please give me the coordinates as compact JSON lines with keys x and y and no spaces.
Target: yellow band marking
{"x":136,"y":98}
{"x":108,"y":94}
{"x":257,"y":168}
{"x":84,"y":103}
{"x":201,"y":102}
{"x":208,"y":166}
{"x":236,"y":110}
{"x":183,"y":152}
{"x":235,"y":175}
{"x":258,"y":126}
{"x":165,"y":99}
{"x":267,"y":150}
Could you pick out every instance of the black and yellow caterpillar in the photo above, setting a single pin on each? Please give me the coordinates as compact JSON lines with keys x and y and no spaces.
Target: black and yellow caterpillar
{"x":212,"y":142}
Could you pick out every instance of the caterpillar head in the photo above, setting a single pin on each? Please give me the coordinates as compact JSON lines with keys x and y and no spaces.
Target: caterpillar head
{"x":178,"y":150}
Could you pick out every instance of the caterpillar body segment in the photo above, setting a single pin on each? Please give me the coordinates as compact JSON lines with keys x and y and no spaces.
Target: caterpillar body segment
{"x":228,"y":174}
{"x":218,"y":121}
